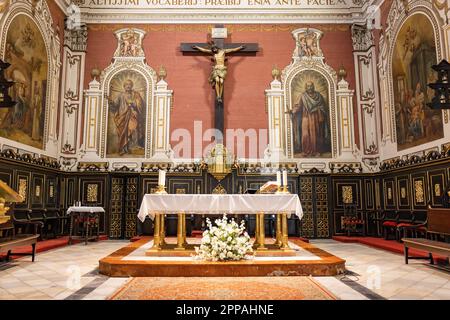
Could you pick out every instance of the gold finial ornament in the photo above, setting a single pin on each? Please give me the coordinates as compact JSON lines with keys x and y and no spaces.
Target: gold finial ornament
{"x":276,"y":73}
{"x":95,"y":73}
{"x":162,"y":72}
{"x":342,"y":72}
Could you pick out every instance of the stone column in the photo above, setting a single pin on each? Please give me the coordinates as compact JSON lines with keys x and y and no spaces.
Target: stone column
{"x":367,"y":95}
{"x":276,"y":115}
{"x":161,"y":122}
{"x":92,"y":106}
{"x":346,"y":124}
{"x":72,"y":90}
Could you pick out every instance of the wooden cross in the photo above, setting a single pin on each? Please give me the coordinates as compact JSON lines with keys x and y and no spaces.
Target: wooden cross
{"x":219,"y":57}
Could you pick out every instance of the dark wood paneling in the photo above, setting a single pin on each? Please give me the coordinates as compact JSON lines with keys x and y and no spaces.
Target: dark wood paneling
{"x":437,"y":184}
{"x":389,"y":194}
{"x":403,"y":192}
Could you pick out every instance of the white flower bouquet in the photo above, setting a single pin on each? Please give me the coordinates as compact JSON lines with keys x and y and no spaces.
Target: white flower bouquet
{"x":226,"y":241}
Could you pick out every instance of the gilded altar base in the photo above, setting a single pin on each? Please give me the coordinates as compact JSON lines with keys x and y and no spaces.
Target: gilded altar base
{"x":182,"y":248}
{"x":133,"y":261}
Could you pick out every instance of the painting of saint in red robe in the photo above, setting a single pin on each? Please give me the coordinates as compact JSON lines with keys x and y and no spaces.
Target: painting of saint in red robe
{"x":310,"y":116}
{"x":126,"y":115}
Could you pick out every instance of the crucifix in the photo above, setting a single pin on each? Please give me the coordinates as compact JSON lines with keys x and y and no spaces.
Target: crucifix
{"x":219,"y":50}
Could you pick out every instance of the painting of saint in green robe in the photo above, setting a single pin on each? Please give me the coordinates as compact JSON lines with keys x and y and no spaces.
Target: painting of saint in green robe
{"x":126,"y":115}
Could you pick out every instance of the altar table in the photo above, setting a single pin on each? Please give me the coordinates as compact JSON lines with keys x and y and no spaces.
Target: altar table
{"x":283,"y":205}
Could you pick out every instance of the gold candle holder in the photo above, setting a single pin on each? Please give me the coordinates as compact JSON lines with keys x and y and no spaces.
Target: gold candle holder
{"x":161,"y":189}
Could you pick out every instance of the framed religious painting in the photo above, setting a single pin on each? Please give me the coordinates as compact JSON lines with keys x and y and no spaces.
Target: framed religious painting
{"x":127,"y":113}
{"x":414,"y":55}
{"x":310,"y":115}
{"x":26,"y":51}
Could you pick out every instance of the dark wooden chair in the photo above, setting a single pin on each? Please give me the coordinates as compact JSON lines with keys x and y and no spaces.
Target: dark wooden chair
{"x":389,"y":222}
{"x":353,"y":221}
{"x":64,"y":222}
{"x":417,"y":228}
{"x":52,"y":222}
{"x":38,"y":216}
{"x":405,"y":219}
{"x":11,"y":240}
{"x":21,"y":222}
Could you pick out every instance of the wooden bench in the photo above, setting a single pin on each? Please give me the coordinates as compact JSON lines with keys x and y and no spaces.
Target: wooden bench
{"x":430,"y":246}
{"x":438,"y":223}
{"x":6,"y":245}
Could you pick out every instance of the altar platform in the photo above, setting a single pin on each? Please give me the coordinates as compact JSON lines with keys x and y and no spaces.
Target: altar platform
{"x":132,"y":261}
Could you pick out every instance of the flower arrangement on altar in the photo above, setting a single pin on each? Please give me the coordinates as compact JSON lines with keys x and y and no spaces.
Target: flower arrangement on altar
{"x":226,"y":241}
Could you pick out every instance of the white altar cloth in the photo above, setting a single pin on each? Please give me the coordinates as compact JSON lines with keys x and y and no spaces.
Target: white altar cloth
{"x":219,"y":204}
{"x":85,"y":209}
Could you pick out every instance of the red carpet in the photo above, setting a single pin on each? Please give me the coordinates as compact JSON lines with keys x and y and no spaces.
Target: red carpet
{"x":46,"y":245}
{"x":389,"y":245}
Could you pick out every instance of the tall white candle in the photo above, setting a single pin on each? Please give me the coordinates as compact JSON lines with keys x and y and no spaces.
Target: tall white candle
{"x":160,"y":177}
{"x":163,"y":178}
{"x":285,"y":178}
{"x":278,"y":178}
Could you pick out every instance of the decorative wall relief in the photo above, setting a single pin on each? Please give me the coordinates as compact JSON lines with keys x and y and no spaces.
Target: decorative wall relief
{"x":23,"y":189}
{"x":219,"y":190}
{"x":437,"y":182}
{"x":92,"y":192}
{"x":51,"y":191}
{"x":307,"y":43}
{"x":437,"y":190}
{"x":347,"y":194}
{"x":37,"y":192}
{"x":414,"y":54}
{"x":26,"y":51}
{"x":419,"y":194}
{"x":130,"y":43}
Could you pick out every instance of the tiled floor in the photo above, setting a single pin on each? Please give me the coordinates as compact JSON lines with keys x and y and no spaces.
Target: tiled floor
{"x":71,"y":273}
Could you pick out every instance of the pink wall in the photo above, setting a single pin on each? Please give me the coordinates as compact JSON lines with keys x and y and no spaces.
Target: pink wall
{"x":247,"y":78}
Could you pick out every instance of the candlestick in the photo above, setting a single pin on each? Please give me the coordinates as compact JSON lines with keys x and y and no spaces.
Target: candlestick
{"x":285,"y":178}
{"x":278,"y":178}
{"x":162,"y":178}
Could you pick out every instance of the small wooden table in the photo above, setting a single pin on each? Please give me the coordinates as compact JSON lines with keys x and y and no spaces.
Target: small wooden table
{"x":86,"y":215}
{"x":18,"y":241}
{"x":430,"y":246}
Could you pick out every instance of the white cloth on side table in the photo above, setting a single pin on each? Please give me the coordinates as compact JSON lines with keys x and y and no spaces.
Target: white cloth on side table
{"x":85,"y":209}
{"x":219,"y":204}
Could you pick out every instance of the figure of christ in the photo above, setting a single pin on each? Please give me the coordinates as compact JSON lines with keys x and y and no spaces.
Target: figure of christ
{"x":219,"y":71}
{"x":128,"y":111}
{"x":311,"y":128}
